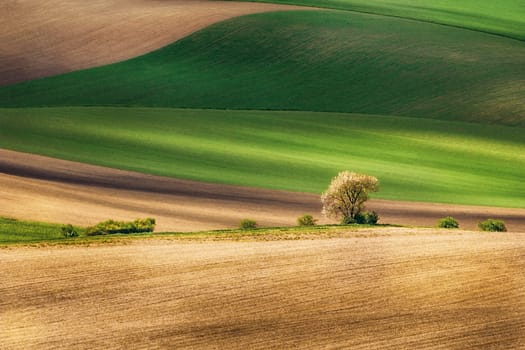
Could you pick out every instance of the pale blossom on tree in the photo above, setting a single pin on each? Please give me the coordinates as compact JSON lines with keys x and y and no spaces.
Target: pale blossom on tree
{"x":347,"y":194}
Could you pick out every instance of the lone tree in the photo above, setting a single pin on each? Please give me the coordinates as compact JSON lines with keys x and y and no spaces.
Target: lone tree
{"x":347,"y":194}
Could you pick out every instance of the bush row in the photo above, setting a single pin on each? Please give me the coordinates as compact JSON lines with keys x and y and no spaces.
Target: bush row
{"x":112,"y":227}
{"x":148,"y":224}
{"x":487,"y":225}
{"x":369,"y":218}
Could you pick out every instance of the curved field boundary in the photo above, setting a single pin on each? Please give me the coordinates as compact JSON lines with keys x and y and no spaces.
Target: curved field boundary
{"x":47,"y":189}
{"x":44,"y":38}
{"x":503,"y":18}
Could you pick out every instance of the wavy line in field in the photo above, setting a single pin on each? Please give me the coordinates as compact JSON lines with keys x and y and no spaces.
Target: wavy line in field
{"x":44,"y":38}
{"x":47,"y":189}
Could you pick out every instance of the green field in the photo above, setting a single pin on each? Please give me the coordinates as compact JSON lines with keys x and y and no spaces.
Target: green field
{"x":16,"y":231}
{"x":503,"y":17}
{"x":13,"y":231}
{"x":415,"y":159}
{"x":334,"y":61}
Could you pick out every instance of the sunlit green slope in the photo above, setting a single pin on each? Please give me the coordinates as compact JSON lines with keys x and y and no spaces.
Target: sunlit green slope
{"x":415,"y":159}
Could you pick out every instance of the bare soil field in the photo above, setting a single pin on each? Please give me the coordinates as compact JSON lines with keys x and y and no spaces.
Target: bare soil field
{"x":52,"y":190}
{"x":405,"y":291}
{"x":44,"y":38}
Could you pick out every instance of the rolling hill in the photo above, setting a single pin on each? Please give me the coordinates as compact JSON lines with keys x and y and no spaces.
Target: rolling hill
{"x":436,"y":112}
{"x":415,"y":159}
{"x":311,"y":61}
{"x":504,"y":17}
{"x":55,"y":190}
{"x":45,"y":38}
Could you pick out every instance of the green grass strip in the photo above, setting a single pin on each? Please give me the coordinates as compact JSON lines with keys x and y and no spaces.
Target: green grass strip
{"x":20,"y":231}
{"x":30,"y":233}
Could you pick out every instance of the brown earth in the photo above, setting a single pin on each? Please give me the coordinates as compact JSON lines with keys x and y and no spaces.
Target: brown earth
{"x":413,"y":291}
{"x":52,"y":190}
{"x":44,"y":38}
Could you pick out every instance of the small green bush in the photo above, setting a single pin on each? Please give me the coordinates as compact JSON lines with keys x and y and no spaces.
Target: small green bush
{"x":144,"y":225}
{"x":306,"y":220}
{"x":492,"y":225}
{"x":247,"y":224}
{"x":369,"y":218}
{"x":69,"y":231}
{"x":448,"y":222}
{"x":112,"y":226}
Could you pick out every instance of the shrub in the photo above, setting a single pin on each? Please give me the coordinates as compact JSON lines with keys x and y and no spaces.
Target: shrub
{"x":112,"y":226}
{"x":448,"y":222}
{"x":144,"y":225}
{"x":306,"y":220}
{"x":369,"y":218}
{"x":492,"y":225}
{"x":347,"y":220}
{"x":247,"y":224}
{"x":69,"y":231}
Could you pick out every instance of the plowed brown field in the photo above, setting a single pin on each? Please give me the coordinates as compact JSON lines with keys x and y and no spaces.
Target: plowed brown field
{"x":44,"y":38}
{"x":405,"y":291}
{"x":46,"y":189}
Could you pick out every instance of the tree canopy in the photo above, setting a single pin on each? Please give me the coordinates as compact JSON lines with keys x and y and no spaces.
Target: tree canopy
{"x":347,"y":194}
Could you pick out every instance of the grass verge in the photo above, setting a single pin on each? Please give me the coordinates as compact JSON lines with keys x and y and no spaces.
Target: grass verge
{"x":31,"y":233}
{"x":27,"y":232}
